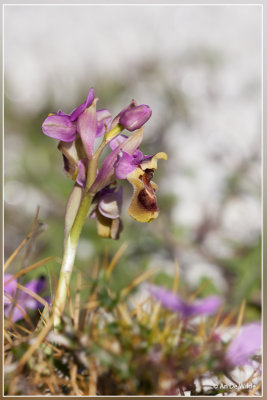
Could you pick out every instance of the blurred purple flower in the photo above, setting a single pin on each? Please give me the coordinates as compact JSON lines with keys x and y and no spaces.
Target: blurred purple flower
{"x":207,"y":306}
{"x":245,"y":344}
{"x":23,"y":299}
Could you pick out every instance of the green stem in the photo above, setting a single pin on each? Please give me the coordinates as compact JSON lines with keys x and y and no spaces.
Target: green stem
{"x":70,"y":249}
{"x":72,"y":238}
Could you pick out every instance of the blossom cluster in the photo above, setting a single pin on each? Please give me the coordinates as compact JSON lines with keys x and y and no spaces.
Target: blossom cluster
{"x":77,"y":133}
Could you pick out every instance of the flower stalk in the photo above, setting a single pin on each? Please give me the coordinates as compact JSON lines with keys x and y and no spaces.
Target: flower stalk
{"x":95,"y":191}
{"x":72,"y":240}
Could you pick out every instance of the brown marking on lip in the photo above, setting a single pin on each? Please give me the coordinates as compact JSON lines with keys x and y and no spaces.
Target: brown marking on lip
{"x":146,"y":197}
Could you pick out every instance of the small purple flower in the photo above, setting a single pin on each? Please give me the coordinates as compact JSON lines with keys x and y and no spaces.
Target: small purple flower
{"x":23,"y":299}
{"x":245,"y":344}
{"x":207,"y":306}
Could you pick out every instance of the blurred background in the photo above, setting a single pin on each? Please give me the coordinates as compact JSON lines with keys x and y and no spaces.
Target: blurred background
{"x":199,"y":69}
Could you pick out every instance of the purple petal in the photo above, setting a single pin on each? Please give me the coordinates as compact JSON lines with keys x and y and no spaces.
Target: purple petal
{"x":24,"y":300}
{"x":86,"y":126}
{"x":119,"y":139}
{"x":135,"y":117}
{"x":167,"y":298}
{"x":137,"y":157}
{"x":82,"y":172}
{"x":110,"y":204}
{"x":59,"y":127}
{"x":103,"y":118}
{"x":80,"y":109}
{"x":9,"y":288}
{"x":107,"y":169}
{"x":16,"y":313}
{"x":124,"y":166}
{"x":245,"y":345}
{"x":36,"y":285}
{"x":209,"y":305}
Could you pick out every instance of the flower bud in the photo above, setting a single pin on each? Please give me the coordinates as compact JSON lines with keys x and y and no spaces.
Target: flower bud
{"x":135,"y":117}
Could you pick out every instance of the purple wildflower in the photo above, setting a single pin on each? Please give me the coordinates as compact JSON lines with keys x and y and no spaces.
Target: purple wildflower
{"x":89,"y":124}
{"x":77,"y":133}
{"x":23,"y":299}
{"x":207,"y":306}
{"x":245,"y":344}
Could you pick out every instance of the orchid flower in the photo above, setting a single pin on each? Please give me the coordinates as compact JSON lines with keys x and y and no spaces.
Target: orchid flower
{"x":23,"y":300}
{"x":95,"y":184}
{"x":126,"y":161}
{"x":206,"y":306}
